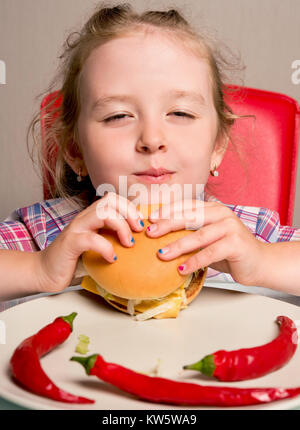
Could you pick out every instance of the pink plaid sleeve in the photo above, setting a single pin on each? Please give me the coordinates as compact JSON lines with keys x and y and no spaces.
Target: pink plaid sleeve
{"x":15,"y":236}
{"x":268,"y":228}
{"x":24,"y":229}
{"x":264,"y":223}
{"x":33,"y":228}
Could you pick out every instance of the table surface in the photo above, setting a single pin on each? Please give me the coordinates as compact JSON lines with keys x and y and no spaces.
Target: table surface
{"x":7,"y":405}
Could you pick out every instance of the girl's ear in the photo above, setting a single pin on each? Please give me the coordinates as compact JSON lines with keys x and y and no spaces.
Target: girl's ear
{"x":218,"y":152}
{"x":74,"y":158}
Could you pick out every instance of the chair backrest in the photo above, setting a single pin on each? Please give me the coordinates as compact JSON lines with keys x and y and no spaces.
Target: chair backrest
{"x":260,"y":165}
{"x":49,"y":103}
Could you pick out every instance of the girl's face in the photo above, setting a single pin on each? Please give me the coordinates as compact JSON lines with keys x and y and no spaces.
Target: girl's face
{"x":146,"y":102}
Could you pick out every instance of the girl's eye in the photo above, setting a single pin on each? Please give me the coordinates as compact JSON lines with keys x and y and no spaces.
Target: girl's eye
{"x":123,"y":115}
{"x":183,"y":114}
{"x":115,"y":117}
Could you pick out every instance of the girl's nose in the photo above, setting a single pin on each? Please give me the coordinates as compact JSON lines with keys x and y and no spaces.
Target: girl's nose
{"x":151,"y":140}
{"x":151,"y":146}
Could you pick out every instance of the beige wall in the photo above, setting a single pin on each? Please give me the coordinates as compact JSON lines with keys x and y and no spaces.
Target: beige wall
{"x":266,"y":32}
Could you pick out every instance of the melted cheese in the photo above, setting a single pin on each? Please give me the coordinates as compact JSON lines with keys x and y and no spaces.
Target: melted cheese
{"x":174,"y":300}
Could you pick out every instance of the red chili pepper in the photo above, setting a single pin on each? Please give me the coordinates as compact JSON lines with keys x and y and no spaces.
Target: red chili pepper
{"x":249,"y":363}
{"x":25,"y":361}
{"x":161,"y":390}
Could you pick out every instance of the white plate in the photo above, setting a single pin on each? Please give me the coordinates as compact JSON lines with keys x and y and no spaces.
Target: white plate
{"x":217,"y":319}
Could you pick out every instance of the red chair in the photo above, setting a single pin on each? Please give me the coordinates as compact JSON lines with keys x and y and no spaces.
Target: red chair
{"x":260,"y":166}
{"x":49,"y":104}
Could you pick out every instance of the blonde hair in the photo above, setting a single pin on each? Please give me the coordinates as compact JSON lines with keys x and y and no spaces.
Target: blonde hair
{"x":59,"y":123}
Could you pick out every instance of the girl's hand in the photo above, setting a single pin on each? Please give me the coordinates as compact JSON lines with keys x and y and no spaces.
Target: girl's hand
{"x":227,"y":245}
{"x":59,"y":260}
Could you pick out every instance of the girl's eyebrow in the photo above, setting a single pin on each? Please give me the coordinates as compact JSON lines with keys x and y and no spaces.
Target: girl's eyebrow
{"x":173,"y":94}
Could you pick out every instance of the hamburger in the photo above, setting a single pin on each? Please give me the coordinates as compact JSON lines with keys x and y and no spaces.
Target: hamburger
{"x":140,"y":283}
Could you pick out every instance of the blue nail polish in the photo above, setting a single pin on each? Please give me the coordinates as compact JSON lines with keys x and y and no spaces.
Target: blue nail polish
{"x":115,"y":257}
{"x":142,"y":223}
{"x":132,"y":240}
{"x":163,"y":250}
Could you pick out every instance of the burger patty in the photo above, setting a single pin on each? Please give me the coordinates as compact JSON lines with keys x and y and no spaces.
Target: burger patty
{"x":193,"y":285}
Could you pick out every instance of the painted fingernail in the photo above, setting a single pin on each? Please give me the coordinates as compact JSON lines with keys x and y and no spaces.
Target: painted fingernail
{"x":152,"y":227}
{"x":182,"y":267}
{"x":163,"y":250}
{"x":132,"y":240}
{"x":142,"y":223}
{"x":115,"y":257}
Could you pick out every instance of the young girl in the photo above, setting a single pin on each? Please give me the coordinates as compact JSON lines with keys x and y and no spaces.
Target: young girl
{"x":142,"y":99}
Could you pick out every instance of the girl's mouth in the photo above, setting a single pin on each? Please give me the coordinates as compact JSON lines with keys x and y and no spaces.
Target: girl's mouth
{"x":154,"y":176}
{"x":152,"y":179}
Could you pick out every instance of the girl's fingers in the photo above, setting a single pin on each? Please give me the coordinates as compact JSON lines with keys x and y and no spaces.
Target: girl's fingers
{"x":217,"y":251}
{"x":86,"y":241}
{"x":122,"y":206}
{"x":106,"y":217}
{"x":200,"y":238}
{"x":115,"y":221}
{"x":167,"y":211}
{"x":81,"y":234}
{"x":216,"y":212}
{"x":58,"y":261}
{"x":167,"y":219}
{"x":95,"y":214}
{"x":192,"y":220}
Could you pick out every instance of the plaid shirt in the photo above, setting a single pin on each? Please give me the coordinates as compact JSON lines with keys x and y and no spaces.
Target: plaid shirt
{"x":34,"y":227}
